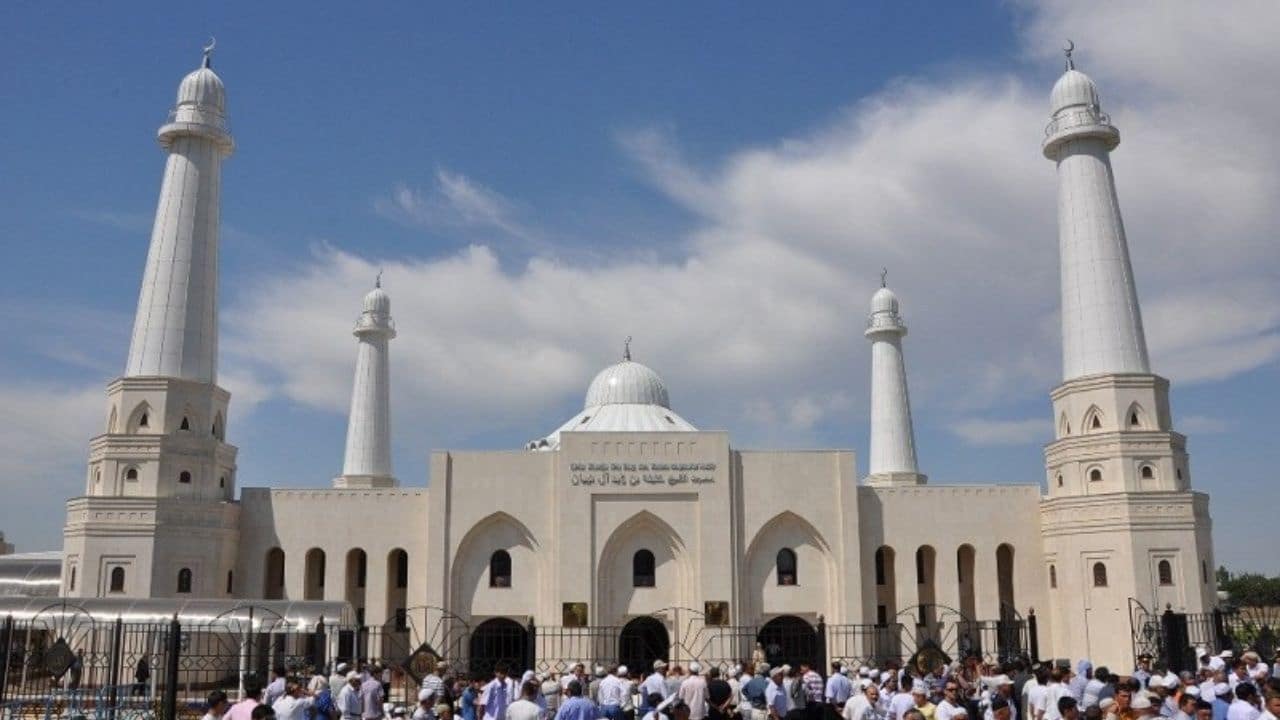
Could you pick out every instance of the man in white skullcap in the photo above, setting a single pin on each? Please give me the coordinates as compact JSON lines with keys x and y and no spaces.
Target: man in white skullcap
{"x":693,"y":691}
{"x":776,"y":695}
{"x":655,"y":684}
{"x":610,"y":694}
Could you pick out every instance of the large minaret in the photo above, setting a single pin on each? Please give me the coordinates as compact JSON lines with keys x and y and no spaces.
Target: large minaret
{"x":893,"y":443}
{"x":1120,"y":520}
{"x":368,"y":458}
{"x":157,"y":518}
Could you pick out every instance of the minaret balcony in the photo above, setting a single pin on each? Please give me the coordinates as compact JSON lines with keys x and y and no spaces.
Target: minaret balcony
{"x":1079,"y":123}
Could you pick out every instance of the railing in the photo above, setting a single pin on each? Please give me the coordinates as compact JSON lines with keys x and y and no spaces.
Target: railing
{"x":1076,"y":118}
{"x":200,"y":115}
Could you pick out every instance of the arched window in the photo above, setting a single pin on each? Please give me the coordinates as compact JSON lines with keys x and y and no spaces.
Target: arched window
{"x":144,"y":421}
{"x":231,"y":581}
{"x":1099,"y":575}
{"x":217,"y":426}
{"x":184,"y":477}
{"x":787,"y":570}
{"x":117,"y":580}
{"x":1148,"y":472}
{"x":500,"y":569}
{"x":1095,"y":475}
{"x":643,"y":569}
{"x":273,"y":580}
{"x":1092,"y":419}
{"x":184,"y":580}
{"x":186,"y":424}
{"x":73,"y":578}
{"x":1053,"y":577}
{"x":1059,"y":479}
{"x":1204,"y":572}
{"x":881,"y":576}
{"x":1165,"y":571}
{"x":402,"y":569}
{"x":131,"y":474}
{"x":222,"y":482}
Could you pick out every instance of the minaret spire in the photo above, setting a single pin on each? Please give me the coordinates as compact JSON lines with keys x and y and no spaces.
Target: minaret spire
{"x":367,"y":462}
{"x":892,"y":460}
{"x":175,"y":332}
{"x":1101,"y":322}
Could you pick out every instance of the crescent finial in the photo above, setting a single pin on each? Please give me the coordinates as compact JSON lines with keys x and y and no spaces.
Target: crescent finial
{"x":208,"y":49}
{"x":626,"y":349}
{"x":884,"y":273}
{"x":377,"y":282}
{"x":1070,"y":48}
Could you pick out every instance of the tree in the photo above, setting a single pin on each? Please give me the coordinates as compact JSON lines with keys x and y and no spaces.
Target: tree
{"x":1251,"y":589}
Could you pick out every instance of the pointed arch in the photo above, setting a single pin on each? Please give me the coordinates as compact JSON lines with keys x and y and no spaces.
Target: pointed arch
{"x":1135,"y":417}
{"x":470,"y":590}
{"x":141,"y":418}
{"x":1093,"y":420}
{"x":112,"y":419}
{"x":219,"y":428}
{"x":617,"y":598}
{"x":1064,"y":425}
{"x":815,"y":588}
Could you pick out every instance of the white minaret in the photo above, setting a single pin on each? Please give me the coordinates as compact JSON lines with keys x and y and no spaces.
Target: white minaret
{"x":158,"y":517}
{"x":175,"y":333}
{"x":1101,"y":322}
{"x":893,"y":443}
{"x":368,"y":459}
{"x":1119,"y":522}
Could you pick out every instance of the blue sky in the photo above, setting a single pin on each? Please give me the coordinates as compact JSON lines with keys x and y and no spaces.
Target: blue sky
{"x":722,"y":181}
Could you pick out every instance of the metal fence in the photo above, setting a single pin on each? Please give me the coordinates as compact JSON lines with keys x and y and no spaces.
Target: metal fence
{"x":71,"y":664}
{"x":1174,"y":638}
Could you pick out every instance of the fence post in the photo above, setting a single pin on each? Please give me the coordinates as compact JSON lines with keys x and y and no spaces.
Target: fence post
{"x":113,"y":668}
{"x":321,"y":648}
{"x":174,"y":649}
{"x":1174,"y":640}
{"x":5,"y":649}
{"x":822,"y":646}
{"x":531,"y":647}
{"x":1033,"y":635}
{"x":1219,"y":632}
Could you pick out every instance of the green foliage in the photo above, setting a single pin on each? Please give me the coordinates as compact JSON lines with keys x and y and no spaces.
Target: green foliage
{"x":1250,"y":589}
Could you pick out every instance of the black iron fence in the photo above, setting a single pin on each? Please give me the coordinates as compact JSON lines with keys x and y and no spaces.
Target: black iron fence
{"x":70,"y":664}
{"x":1175,"y":638}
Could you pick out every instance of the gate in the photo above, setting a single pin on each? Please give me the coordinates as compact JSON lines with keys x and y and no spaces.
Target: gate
{"x":931,"y":633}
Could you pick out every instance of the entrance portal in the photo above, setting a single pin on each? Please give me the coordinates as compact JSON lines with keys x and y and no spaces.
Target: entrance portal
{"x":641,"y":642}
{"x":499,"y":640}
{"x":789,"y":640}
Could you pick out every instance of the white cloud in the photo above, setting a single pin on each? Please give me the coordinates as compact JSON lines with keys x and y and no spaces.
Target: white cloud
{"x":940,"y":180}
{"x":453,"y":202}
{"x":984,"y":433}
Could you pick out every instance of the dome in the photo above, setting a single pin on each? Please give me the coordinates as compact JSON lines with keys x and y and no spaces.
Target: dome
{"x":884,"y":301}
{"x":627,"y":383}
{"x":377,"y":301}
{"x":204,"y":89}
{"x":1074,"y":88}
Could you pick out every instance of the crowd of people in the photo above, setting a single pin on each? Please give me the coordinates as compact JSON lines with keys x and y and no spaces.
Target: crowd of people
{"x":1223,"y":688}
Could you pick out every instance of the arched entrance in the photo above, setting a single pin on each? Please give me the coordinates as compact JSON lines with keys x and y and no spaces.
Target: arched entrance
{"x":789,"y":640}
{"x":642,"y":641}
{"x":499,"y":640}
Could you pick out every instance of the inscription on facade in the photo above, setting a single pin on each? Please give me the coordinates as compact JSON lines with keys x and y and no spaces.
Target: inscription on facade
{"x":638,"y":474}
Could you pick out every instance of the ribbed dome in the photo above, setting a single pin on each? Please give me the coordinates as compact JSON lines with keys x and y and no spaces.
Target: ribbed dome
{"x":204,"y":89}
{"x":377,"y":301}
{"x":1074,"y":88}
{"x":884,"y":301}
{"x":627,"y":383}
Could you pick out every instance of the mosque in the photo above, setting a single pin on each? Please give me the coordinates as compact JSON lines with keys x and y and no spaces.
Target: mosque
{"x":628,"y":522}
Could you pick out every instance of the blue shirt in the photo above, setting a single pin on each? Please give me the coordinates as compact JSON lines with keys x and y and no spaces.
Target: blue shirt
{"x":577,"y":708}
{"x":1220,"y":709}
{"x":753,"y":691}
{"x":468,"y":703}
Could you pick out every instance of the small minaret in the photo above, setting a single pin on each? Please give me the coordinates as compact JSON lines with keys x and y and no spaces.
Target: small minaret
{"x":368,"y":459}
{"x":893,"y":444}
{"x":175,"y":332}
{"x":1101,"y":322}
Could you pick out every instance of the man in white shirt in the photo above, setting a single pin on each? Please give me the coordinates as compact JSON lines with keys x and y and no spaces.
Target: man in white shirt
{"x":775,"y":696}
{"x":610,"y":696}
{"x":1242,"y":708}
{"x":527,"y":707}
{"x":902,"y":701}
{"x":1053,"y":693}
{"x":1035,"y":692}
{"x":951,"y":703}
{"x":349,"y":705}
{"x":693,"y":691}
{"x":497,"y":695}
{"x":275,"y":688}
{"x":655,"y":684}
{"x":293,"y":705}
